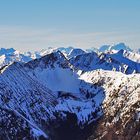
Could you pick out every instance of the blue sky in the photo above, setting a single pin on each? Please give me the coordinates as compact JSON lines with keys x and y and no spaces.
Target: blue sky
{"x":38,"y":24}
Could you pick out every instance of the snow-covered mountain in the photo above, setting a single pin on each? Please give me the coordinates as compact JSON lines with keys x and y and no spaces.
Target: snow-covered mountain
{"x":70,"y":94}
{"x":8,"y":56}
{"x":121,"y":106}
{"x":49,"y":70}
{"x":116,"y":47}
{"x":75,"y":52}
{"x":107,"y":61}
{"x":92,"y":50}
{"x":6,"y":51}
{"x":68,"y":52}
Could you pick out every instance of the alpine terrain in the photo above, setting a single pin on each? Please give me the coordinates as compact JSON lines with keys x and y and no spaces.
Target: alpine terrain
{"x":70,"y":94}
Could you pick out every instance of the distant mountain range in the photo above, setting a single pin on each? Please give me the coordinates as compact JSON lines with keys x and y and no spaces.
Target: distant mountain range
{"x":117,"y":57}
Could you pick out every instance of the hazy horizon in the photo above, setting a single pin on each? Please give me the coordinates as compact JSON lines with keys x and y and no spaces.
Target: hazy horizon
{"x":34,"y":25}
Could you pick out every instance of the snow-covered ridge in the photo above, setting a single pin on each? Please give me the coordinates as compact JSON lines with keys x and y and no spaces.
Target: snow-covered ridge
{"x":21,"y":98}
{"x":8,"y":56}
{"x":121,"y":103}
{"x":107,"y":61}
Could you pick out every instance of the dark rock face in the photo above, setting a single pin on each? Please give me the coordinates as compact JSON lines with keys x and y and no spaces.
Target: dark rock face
{"x":117,"y":131}
{"x":69,"y":128}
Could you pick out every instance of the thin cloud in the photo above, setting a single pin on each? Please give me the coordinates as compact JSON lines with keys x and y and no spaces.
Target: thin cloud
{"x":25,"y":39}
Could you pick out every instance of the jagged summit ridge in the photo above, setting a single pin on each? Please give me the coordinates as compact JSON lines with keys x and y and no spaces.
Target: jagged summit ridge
{"x":10,"y":55}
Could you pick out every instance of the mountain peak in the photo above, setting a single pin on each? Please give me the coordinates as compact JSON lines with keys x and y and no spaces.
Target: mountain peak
{"x":6,"y":51}
{"x":120,"y":46}
{"x":116,"y":47}
{"x":50,"y":60}
{"x":75,"y":52}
